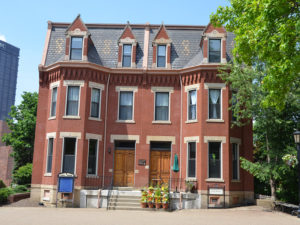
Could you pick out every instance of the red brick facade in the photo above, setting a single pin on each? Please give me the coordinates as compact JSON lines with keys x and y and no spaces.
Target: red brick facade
{"x":143,"y":128}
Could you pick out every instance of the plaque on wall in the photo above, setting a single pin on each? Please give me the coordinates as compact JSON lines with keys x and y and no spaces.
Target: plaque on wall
{"x":142,"y":162}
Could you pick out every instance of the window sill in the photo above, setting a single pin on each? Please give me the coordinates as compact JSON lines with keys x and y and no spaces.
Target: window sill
{"x":92,"y":176}
{"x":72,"y":117}
{"x":215,"y":121}
{"x":46,"y":199}
{"x":125,"y":121}
{"x":161,"y":122}
{"x":94,"y":119}
{"x":191,"y":179}
{"x":191,"y":121}
{"x":48,"y":175}
{"x":218,"y":180}
{"x":52,"y":118}
{"x":235,"y":181}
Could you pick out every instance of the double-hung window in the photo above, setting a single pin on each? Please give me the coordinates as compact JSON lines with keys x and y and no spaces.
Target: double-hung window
{"x":72,"y":100}
{"x":95,"y":103}
{"x":92,"y":157}
{"x":69,"y":153}
{"x":235,"y":161}
{"x":192,"y":105}
{"x":162,"y":106}
{"x":161,"y":56}
{"x":53,"y":102}
{"x":49,"y":155}
{"x":191,"y":173}
{"x":214,"y":160}
{"x":126,"y":105}
{"x":214,"y":104}
{"x":76,"y":48}
{"x":126,"y":61}
{"x":214,"y":50}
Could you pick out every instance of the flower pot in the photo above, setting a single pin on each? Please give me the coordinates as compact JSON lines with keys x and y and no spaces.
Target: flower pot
{"x":144,"y":204}
{"x":150,"y":204}
{"x":158,"y":205}
{"x":165,"y":205}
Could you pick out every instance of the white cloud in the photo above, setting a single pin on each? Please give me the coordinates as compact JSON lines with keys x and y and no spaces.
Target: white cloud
{"x":2,"y":38}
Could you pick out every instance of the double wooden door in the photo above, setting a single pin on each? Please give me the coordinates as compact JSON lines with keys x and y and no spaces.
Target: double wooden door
{"x":160,"y":166}
{"x":124,"y":168}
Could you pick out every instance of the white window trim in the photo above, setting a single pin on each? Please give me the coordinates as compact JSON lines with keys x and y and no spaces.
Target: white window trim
{"x":162,"y":89}
{"x":68,"y":83}
{"x":52,"y":86}
{"x":97,"y":155}
{"x":188,"y":107}
{"x":222,"y":140}
{"x":166,"y":59}
{"x":130,"y":55}
{"x":101,"y":88}
{"x":238,"y":142}
{"x":63,"y":151}
{"x":48,"y":136}
{"x":70,"y":48}
{"x":221,"y":87}
{"x":132,"y":89}
{"x":187,"y":141}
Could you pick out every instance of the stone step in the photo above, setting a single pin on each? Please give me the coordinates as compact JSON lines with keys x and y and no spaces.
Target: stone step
{"x":123,"y":188}
{"x":129,"y":204}
{"x":124,"y":200}
{"x":134,"y":208}
{"x":118,"y":197}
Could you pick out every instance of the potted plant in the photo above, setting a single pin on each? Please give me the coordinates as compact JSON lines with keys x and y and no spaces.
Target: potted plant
{"x":150,"y":197}
{"x":189,"y":186}
{"x":144,"y":199}
{"x":157,"y":197}
{"x":165,"y":200}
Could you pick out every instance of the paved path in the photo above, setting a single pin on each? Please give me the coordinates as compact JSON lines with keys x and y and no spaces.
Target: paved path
{"x":237,"y":216}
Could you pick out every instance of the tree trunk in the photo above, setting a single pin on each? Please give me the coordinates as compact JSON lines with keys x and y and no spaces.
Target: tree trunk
{"x":272,"y":182}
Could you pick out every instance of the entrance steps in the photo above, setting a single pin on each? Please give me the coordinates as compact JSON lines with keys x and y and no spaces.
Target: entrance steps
{"x":125,"y":198}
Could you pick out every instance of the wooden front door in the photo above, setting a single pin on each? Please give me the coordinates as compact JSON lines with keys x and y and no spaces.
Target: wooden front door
{"x":159,"y":167}
{"x":124,"y":168}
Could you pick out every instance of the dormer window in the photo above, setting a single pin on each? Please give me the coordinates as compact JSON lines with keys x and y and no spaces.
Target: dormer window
{"x":126,"y":61}
{"x":161,"y":56}
{"x":76,"y":48}
{"x":214,"y":50}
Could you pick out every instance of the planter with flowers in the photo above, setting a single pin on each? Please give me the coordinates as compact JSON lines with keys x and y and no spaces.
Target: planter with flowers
{"x":144,"y":199}
{"x":157,"y":197}
{"x":165,"y":197}
{"x":150,"y":197}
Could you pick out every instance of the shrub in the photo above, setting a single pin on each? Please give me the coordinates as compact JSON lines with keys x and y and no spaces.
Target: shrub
{"x":23,"y":174}
{"x":4,"y":193}
{"x":2,"y":185}
{"x":20,"y":189}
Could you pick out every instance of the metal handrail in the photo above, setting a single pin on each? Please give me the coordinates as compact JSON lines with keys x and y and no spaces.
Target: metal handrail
{"x":109,"y":192}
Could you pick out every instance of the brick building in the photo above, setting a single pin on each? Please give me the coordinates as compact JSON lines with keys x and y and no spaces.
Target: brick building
{"x":9,"y":60}
{"x":117,"y":103}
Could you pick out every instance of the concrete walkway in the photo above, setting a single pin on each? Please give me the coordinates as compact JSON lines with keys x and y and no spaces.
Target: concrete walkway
{"x":237,"y":216}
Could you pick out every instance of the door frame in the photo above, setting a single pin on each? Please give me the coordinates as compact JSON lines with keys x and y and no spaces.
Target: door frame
{"x":134,"y":166}
{"x":171,"y":159}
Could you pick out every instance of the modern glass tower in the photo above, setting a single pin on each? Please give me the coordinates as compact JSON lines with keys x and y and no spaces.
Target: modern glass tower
{"x":9,"y":60}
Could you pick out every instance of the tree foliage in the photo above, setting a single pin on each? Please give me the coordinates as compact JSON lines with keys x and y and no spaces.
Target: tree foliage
{"x":266,"y":31}
{"x":22,"y":126}
{"x":273,"y":128}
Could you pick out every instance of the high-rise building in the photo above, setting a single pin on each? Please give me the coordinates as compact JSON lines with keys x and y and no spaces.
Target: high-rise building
{"x":9,"y":59}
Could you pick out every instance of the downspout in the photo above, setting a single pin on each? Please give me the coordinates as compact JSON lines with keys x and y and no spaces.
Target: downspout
{"x":180,"y":175}
{"x":105,"y":121}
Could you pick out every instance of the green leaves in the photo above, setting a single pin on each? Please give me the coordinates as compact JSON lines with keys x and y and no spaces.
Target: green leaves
{"x":267,"y":31}
{"x":22,"y":126}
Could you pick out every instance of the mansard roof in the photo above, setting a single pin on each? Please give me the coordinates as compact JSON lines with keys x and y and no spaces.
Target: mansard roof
{"x":103,"y":47}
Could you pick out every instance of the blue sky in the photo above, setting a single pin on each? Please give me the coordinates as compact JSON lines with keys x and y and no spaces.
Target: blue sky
{"x":24,"y":23}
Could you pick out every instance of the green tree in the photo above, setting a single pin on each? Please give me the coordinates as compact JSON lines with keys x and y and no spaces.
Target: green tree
{"x":22,"y":126}
{"x":273,"y":128}
{"x":266,"y":31}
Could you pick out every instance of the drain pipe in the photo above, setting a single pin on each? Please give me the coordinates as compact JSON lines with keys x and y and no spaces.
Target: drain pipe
{"x":105,"y":121}
{"x":180,"y":133}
